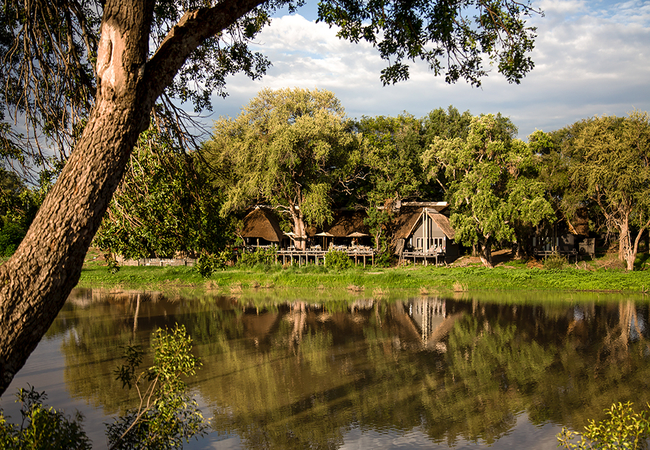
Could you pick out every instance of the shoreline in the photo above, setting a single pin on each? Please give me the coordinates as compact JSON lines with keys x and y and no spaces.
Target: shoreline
{"x":373,"y":280}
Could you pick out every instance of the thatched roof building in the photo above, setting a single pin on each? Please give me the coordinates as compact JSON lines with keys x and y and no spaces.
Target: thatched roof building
{"x":261,"y":223}
{"x":424,"y":229}
{"x":410,"y":218}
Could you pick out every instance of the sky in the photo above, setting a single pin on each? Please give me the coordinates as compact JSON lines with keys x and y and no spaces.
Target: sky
{"x":591,"y":57}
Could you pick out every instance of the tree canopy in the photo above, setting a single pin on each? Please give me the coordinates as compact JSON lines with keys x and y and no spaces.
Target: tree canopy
{"x":388,"y":168}
{"x":608,"y":165}
{"x":164,"y":205}
{"x":489,"y":181}
{"x":287,"y":149}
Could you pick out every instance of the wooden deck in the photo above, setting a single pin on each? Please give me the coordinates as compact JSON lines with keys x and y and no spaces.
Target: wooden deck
{"x":425,"y":257}
{"x":545,"y":253}
{"x":317,"y":255}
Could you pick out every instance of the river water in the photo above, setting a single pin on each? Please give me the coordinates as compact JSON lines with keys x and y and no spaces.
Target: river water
{"x":423,"y":372}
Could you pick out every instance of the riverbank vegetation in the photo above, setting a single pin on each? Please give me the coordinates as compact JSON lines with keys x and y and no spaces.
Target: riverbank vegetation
{"x":467,"y":274}
{"x":589,"y":179}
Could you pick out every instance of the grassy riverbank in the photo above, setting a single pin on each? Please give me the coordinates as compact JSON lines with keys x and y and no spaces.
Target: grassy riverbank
{"x":514,"y":276}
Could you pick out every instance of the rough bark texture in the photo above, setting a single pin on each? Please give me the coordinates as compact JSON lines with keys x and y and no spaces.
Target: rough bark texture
{"x":486,"y":254}
{"x":36,"y":281}
{"x":300,"y":230}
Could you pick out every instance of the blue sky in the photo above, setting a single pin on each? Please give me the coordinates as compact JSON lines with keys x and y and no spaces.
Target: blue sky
{"x":591,"y":58}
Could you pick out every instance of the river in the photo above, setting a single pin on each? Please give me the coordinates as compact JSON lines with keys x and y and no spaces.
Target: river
{"x":433,"y":372}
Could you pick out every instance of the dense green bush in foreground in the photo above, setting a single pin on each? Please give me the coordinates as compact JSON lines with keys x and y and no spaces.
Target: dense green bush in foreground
{"x":166,"y":417}
{"x":624,"y":428}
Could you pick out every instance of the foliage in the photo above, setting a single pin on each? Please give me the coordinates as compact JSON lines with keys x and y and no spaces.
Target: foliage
{"x":287,"y":148}
{"x":439,"y":32}
{"x":623,"y":429}
{"x":10,"y":237}
{"x":42,"y":427}
{"x":446,"y":124}
{"x":111,"y":263}
{"x":167,"y":415}
{"x":491,"y":183}
{"x":388,"y":167}
{"x":609,"y":167}
{"x":18,"y":206}
{"x":163,"y":206}
{"x":554,"y":261}
{"x":384,"y":258}
{"x":208,"y":263}
{"x":338,"y":260}
{"x":264,"y":257}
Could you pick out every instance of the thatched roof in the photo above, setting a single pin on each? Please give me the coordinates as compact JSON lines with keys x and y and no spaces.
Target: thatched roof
{"x":443,"y":223}
{"x":345,"y":223}
{"x":262,"y":223}
{"x":403,"y":221}
{"x":409,"y":218}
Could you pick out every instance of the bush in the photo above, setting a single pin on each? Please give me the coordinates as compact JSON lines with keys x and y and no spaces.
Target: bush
{"x":554,"y":261}
{"x":337,"y":259}
{"x":166,"y":417}
{"x":383,"y":259}
{"x":260,"y":256}
{"x":42,"y":427}
{"x":624,"y":428}
{"x":167,"y":414}
{"x":10,"y":237}
{"x":209,"y":263}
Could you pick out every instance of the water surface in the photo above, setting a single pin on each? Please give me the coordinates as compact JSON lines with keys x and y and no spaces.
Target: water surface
{"x":423,"y":372}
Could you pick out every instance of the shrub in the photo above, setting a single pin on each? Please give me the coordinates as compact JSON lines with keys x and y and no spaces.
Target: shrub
{"x":384,"y":258}
{"x":111,"y":263}
{"x":42,"y":427}
{"x":554,"y":261}
{"x":167,"y":414}
{"x":624,"y":428}
{"x":209,"y":263}
{"x":259,"y":256}
{"x":337,"y":259}
{"x":10,"y":237}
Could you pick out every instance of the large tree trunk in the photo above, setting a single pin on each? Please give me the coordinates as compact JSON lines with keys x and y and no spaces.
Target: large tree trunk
{"x":299,"y":229}
{"x":36,"y":281}
{"x":486,"y":254}
{"x":626,"y":250}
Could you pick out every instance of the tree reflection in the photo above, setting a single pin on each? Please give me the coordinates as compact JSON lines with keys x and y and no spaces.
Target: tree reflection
{"x":302,"y":375}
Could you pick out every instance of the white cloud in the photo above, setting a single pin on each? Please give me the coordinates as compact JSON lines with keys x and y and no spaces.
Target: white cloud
{"x":592,"y":57}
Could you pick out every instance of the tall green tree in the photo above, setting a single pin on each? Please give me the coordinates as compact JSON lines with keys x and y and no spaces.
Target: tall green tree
{"x":287,"y":149}
{"x":610,"y":167}
{"x":164,"y":205}
{"x":449,"y":124}
{"x":389,"y":165}
{"x":133,"y":58}
{"x":489,"y":183}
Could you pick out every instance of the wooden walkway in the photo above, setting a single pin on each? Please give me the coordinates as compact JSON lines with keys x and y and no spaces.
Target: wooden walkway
{"x":317,"y":256}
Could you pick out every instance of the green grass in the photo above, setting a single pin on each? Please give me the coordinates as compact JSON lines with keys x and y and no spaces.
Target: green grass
{"x":513,"y":277}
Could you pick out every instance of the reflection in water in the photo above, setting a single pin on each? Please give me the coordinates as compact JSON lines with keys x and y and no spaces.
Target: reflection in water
{"x":426,"y":372}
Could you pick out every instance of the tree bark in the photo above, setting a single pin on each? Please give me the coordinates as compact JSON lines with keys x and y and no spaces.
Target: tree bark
{"x":300,"y":239}
{"x":36,"y":281}
{"x":486,"y":254}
